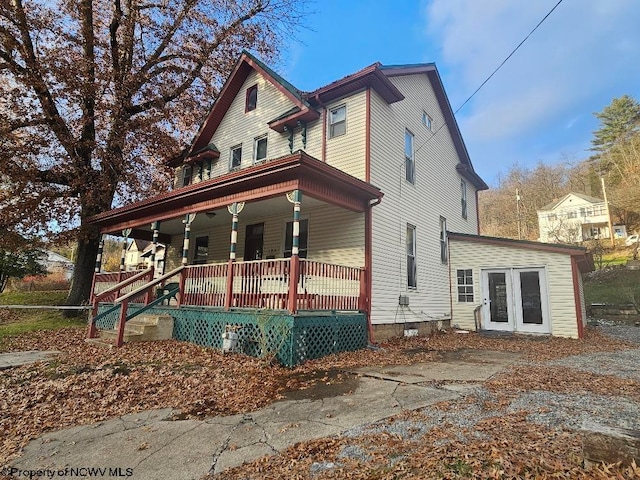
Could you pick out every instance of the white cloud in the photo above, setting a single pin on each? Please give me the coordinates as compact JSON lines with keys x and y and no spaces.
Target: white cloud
{"x":585,"y":49}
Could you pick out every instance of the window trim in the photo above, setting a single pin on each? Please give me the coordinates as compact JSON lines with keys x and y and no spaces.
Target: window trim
{"x":427,"y":120}
{"x":444,"y":242}
{"x":463,"y":198}
{"x":187,"y":179}
{"x":466,"y":288}
{"x":412,"y":180}
{"x":286,"y":237}
{"x":231,"y":150}
{"x":413,"y":256}
{"x":249,"y":92}
{"x":256,"y":140}
{"x":331,"y":125}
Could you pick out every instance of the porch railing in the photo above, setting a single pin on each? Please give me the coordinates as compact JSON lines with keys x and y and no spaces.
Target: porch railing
{"x":265,"y":284}
{"x":106,"y":281}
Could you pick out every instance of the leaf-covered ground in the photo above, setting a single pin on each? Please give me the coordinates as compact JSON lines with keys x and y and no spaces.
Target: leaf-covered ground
{"x":88,"y":383}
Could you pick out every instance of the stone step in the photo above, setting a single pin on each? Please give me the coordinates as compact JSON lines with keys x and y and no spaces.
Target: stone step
{"x":144,"y":328}
{"x":100,"y":341}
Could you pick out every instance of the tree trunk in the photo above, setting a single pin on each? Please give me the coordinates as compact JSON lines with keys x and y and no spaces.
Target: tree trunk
{"x":88,"y":243}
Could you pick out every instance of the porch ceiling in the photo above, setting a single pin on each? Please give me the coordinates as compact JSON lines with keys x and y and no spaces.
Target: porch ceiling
{"x":272,"y":179}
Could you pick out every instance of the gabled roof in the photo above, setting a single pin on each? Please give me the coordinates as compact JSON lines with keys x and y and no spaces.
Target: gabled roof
{"x":245,"y":65}
{"x":465,"y":168}
{"x":584,"y":197}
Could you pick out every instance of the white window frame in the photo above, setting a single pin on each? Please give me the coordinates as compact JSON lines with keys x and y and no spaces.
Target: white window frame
{"x":410,"y":161}
{"x":465,"y":289}
{"x":333,"y":124}
{"x":255,"y":148}
{"x":412,"y":265}
{"x":444,"y":244}
{"x":427,"y":120}
{"x":231,"y":150}
{"x":463,"y":198}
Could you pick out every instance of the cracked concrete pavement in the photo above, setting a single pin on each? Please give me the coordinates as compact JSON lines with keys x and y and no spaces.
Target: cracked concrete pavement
{"x":16,"y":359}
{"x":155,"y":445}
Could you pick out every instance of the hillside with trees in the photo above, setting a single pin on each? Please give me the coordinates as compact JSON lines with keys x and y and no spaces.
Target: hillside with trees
{"x":509,"y":209}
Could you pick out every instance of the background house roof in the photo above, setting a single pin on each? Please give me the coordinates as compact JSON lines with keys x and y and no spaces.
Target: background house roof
{"x":587,"y":198}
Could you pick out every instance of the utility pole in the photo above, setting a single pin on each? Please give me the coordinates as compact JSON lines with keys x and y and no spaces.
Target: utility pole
{"x":518,"y":213}
{"x":606,"y":203}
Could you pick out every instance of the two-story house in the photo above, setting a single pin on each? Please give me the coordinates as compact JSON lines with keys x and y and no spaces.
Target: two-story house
{"x":574,"y":218}
{"x":330,"y":206}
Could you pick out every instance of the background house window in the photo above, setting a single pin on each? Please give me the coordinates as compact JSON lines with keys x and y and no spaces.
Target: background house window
{"x":202,"y":250}
{"x":409,"y":161}
{"x":412,"y":270}
{"x":572,"y":214}
{"x":236,"y":157}
{"x":465,"y":285}
{"x":427,"y":121}
{"x":303,"y":240}
{"x":463,"y":198}
{"x":443,"y":240}
{"x":338,"y":121}
{"x":252,"y":98}
{"x":187,"y":172}
{"x":260,"y":148}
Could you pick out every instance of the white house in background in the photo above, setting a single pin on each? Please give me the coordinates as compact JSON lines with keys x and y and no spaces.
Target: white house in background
{"x":58,"y":264}
{"x":574,"y":218}
{"x":138,"y":256}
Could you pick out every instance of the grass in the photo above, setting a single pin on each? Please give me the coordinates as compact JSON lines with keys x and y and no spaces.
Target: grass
{"x":14,"y":321}
{"x":614,"y":286}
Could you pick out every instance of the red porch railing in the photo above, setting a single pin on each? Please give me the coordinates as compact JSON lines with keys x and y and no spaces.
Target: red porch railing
{"x":106,"y":281}
{"x":265,"y":284}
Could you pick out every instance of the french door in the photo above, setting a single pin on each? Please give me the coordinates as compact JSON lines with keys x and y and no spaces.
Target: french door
{"x":515,"y":299}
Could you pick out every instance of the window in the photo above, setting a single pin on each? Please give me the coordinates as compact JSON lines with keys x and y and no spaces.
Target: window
{"x":187,"y":172}
{"x":202,"y":250}
{"x":465,"y":285}
{"x":303,"y":239}
{"x":207,"y":169}
{"x":427,"y":121}
{"x":443,"y":240}
{"x":412,"y":270}
{"x":572,"y":214}
{"x":409,"y":163}
{"x":236,"y":157}
{"x":338,"y":121}
{"x":463,"y":198}
{"x":252,"y":98}
{"x":552,"y":217}
{"x":260,"y":148}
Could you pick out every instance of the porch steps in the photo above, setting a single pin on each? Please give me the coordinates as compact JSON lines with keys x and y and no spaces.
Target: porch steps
{"x":144,"y":328}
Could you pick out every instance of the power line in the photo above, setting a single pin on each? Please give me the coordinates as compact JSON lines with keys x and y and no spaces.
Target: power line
{"x":494,"y":72}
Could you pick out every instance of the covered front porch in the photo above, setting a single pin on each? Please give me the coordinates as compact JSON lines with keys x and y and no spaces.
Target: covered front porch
{"x":291,"y":236}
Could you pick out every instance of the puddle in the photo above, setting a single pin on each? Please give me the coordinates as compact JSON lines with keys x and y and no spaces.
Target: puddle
{"x":322,"y":384}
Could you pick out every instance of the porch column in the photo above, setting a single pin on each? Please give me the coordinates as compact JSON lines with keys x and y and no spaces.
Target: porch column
{"x":234,"y":209}
{"x":295,"y":197}
{"x":97,"y":267}
{"x":125,"y":233}
{"x":155,"y":226}
{"x":188,"y":219}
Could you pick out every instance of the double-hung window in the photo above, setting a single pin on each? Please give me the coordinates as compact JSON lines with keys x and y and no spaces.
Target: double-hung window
{"x":463,"y":198}
{"x":236,"y":157}
{"x":187,"y":172}
{"x":260,"y":149}
{"x":427,"y":121}
{"x":337,"y":121}
{"x":465,"y":285}
{"x":444,"y":254}
{"x":409,"y":158}
{"x":412,"y":269}
{"x":303,"y":239}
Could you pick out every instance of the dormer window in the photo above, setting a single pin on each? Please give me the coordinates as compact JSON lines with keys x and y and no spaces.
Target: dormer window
{"x":252,"y":98}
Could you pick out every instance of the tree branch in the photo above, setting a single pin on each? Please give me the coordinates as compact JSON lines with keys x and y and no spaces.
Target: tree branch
{"x":88,"y":135}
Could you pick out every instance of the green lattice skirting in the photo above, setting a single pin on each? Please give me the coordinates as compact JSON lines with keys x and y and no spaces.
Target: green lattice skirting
{"x":292,"y":338}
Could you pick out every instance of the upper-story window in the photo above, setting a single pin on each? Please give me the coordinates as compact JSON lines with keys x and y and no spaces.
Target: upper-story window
{"x":252,"y":98}
{"x":409,"y":160}
{"x":260,"y":148}
{"x":463,"y":198}
{"x":337,"y":121}
{"x":236,"y":157}
{"x":187,"y":172}
{"x":427,"y":121}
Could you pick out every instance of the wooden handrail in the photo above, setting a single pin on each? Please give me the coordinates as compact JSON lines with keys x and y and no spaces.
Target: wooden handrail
{"x":121,"y":285}
{"x":146,"y":286}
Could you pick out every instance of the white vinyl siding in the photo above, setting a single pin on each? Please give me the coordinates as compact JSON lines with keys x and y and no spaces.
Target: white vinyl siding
{"x":347,"y":152}
{"x":478,"y":256}
{"x":435,"y":194}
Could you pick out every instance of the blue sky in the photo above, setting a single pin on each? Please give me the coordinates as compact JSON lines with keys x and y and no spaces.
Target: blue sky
{"x":538,"y":107}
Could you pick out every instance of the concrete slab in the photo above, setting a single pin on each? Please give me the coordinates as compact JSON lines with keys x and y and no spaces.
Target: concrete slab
{"x":153,"y":444}
{"x":17,"y":359}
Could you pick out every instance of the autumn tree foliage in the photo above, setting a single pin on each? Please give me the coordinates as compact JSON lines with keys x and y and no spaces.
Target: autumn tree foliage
{"x":19,"y":257}
{"x":95,"y":95}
